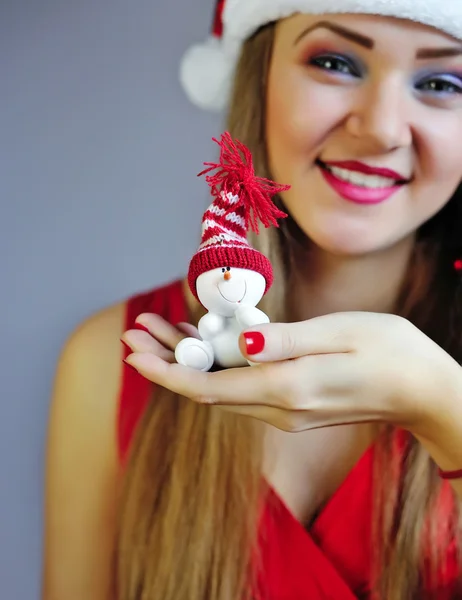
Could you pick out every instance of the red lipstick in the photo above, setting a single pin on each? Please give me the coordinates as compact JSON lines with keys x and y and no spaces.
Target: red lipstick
{"x":360,"y":167}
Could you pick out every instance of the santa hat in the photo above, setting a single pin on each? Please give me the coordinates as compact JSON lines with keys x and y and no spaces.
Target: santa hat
{"x":241,"y":199}
{"x":207,"y":69}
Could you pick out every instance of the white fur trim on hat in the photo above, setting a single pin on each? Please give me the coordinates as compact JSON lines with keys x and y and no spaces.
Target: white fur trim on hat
{"x":207,"y":70}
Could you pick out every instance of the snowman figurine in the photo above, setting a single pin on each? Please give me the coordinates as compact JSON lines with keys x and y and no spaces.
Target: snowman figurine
{"x":227,"y":275}
{"x":230,"y":294}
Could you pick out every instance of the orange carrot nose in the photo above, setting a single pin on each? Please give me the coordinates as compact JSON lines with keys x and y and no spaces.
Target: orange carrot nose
{"x":227,"y":275}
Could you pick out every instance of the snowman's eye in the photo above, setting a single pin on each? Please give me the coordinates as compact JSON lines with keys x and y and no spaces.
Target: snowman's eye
{"x":228,"y":268}
{"x":223,"y":270}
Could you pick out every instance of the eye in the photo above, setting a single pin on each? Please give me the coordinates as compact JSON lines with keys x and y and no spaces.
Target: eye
{"x":441,"y":85}
{"x":228,"y":268}
{"x":335,"y":64}
{"x":223,"y":270}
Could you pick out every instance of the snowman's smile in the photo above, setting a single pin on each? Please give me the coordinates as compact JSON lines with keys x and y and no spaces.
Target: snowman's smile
{"x":233,"y":292}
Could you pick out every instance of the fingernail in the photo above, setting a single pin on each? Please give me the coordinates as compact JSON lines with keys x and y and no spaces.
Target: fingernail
{"x":131,"y":366}
{"x":141,"y":327}
{"x":254,"y":342}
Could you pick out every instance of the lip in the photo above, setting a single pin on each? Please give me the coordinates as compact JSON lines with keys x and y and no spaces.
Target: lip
{"x":360,"y":167}
{"x":355,"y":193}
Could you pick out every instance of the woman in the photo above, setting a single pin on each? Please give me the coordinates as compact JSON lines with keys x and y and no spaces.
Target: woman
{"x":346,"y":481}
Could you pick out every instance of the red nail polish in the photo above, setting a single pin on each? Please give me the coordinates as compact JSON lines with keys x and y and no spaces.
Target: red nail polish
{"x":254,"y":342}
{"x":127,"y":346}
{"x":141,"y":327}
{"x":130,"y":366}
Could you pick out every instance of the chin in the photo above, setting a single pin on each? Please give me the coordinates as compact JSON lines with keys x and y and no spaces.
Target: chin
{"x":344,"y":239}
{"x":344,"y":250}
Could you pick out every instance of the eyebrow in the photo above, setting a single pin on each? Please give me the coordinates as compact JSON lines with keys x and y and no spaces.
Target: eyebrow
{"x":439,"y":52}
{"x":368,"y":43}
{"x":360,"y":39}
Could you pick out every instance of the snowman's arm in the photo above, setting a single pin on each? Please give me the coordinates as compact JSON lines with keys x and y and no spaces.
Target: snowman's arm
{"x":249,"y":316}
{"x":210,"y":325}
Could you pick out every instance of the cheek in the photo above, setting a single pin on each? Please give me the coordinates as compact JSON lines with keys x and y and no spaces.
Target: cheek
{"x":448,"y":162}
{"x":441,"y":158}
{"x":301,"y":113}
{"x":437,"y":140}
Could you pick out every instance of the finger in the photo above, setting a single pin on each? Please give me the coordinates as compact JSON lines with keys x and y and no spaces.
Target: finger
{"x":162,"y":330}
{"x":140,"y":341}
{"x":171,"y":375}
{"x":329,"y":334}
{"x":241,"y":386}
{"x":189,"y":330}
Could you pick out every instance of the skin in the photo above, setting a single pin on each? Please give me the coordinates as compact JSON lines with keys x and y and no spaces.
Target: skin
{"x":343,"y":345}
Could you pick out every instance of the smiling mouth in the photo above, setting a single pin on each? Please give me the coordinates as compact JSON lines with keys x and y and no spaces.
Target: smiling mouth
{"x":235,"y":301}
{"x":361,"y":179}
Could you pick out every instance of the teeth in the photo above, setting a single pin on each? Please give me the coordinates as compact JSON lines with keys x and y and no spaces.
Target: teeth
{"x":361,"y":179}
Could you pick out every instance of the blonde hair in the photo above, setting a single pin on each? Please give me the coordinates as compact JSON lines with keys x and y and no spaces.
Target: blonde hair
{"x":193,"y":487}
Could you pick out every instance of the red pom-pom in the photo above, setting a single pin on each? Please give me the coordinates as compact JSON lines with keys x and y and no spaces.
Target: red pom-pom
{"x":458,"y":264}
{"x":235,"y":174}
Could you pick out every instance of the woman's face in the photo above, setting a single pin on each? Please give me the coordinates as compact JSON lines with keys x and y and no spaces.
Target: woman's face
{"x":356,"y":92}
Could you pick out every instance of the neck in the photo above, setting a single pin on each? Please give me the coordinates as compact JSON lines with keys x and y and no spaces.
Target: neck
{"x":324,"y":283}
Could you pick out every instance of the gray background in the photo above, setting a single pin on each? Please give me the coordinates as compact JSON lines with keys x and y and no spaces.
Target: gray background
{"x":99,"y":151}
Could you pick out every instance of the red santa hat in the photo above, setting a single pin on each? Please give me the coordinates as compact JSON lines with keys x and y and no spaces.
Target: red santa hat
{"x":207,"y":69}
{"x":241,"y":199}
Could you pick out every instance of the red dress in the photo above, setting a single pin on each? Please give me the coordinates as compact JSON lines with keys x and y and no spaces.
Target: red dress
{"x":332,"y":559}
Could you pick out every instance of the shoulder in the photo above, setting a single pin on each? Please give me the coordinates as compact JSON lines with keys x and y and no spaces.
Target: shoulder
{"x":82,"y":448}
{"x":83,"y":408}
{"x":82,"y":454}
{"x":98,"y":330}
{"x":102,"y":330}
{"x":91,"y":355}
{"x":89,"y":380}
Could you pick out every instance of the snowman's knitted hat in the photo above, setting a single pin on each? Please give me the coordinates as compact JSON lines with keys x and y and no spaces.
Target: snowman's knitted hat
{"x":207,"y":69}
{"x":241,"y":199}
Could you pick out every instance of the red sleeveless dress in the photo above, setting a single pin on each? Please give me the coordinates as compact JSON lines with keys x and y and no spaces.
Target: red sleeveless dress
{"x":330,"y":561}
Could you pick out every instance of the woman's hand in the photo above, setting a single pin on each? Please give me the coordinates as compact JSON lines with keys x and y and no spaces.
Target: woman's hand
{"x":335,"y":369}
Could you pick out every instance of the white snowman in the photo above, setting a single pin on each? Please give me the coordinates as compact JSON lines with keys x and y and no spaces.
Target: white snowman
{"x":227,"y":275}
{"x":230,"y":295}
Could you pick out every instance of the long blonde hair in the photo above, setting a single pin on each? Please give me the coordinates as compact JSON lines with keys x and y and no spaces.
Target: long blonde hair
{"x":192,"y":490}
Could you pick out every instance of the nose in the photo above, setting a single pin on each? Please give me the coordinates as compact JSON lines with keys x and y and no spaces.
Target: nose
{"x":227,"y":275}
{"x":381,"y":117}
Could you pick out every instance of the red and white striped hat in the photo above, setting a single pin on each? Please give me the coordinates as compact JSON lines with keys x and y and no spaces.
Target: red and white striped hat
{"x":241,"y":199}
{"x":207,"y":69}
